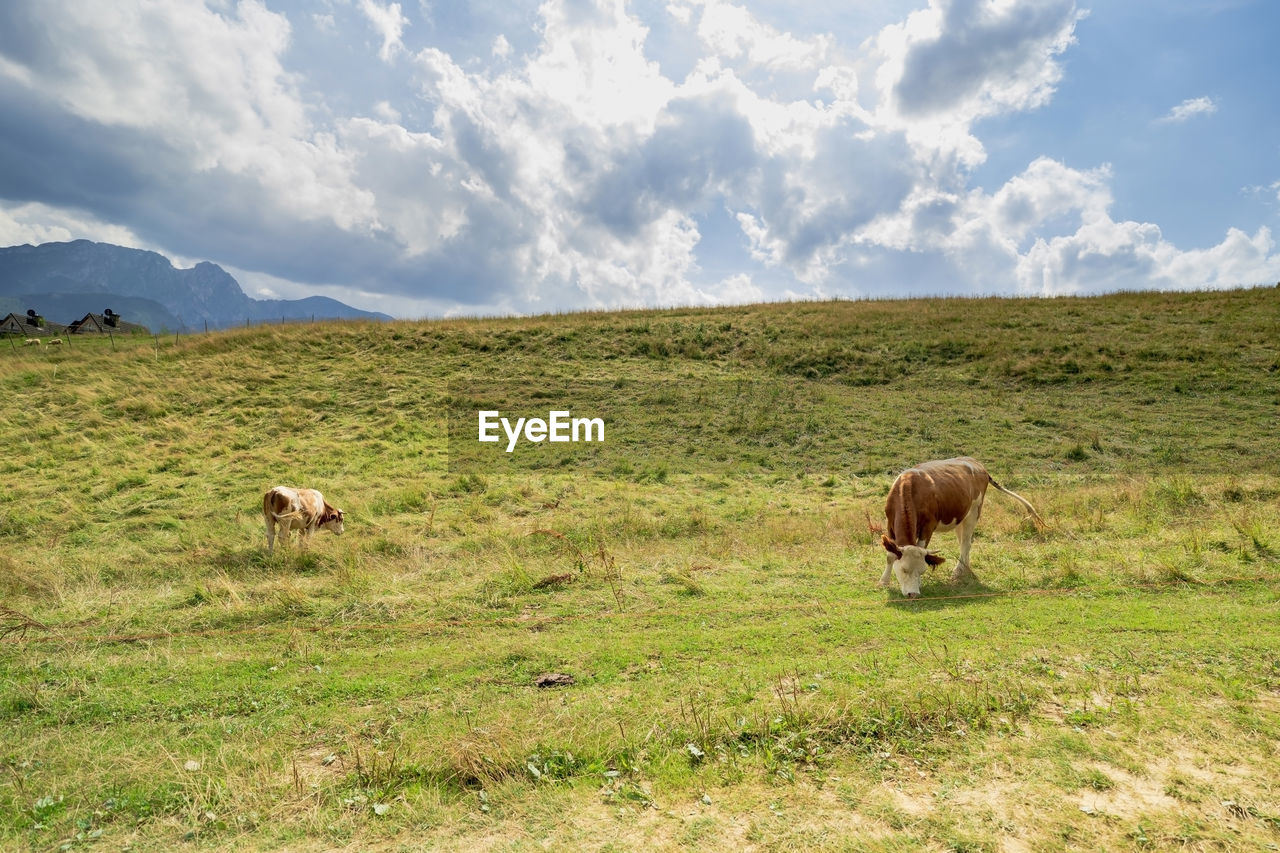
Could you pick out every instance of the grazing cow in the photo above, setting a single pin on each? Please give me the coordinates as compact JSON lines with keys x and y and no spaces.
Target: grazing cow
{"x":934,"y":496}
{"x":297,"y":509}
{"x":54,"y":342}
{"x":31,"y":342}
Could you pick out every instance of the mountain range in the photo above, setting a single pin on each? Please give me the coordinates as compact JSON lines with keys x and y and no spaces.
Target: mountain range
{"x":64,"y":281}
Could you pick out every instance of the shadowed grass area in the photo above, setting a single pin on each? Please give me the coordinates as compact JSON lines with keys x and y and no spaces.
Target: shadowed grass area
{"x":706,"y":576}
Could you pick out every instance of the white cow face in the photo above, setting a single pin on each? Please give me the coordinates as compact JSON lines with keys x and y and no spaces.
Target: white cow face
{"x":909,"y":564}
{"x":333,"y":521}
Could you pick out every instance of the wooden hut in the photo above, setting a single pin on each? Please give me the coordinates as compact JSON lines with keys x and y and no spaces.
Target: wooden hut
{"x":108,"y":322}
{"x":30,"y":326}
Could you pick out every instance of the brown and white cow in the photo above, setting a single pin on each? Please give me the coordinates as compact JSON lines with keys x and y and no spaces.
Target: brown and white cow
{"x":934,"y":496}
{"x":297,"y":509}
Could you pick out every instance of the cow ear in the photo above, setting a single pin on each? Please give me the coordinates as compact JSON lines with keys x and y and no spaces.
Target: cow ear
{"x":934,"y":559}
{"x":890,"y":547}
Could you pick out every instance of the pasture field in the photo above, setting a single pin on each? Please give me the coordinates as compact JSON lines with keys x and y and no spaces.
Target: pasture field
{"x":707,"y":576}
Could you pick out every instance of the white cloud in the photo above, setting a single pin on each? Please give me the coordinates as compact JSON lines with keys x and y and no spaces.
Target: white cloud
{"x":1079,"y":248}
{"x":1189,"y":109}
{"x":530,"y":146}
{"x":958,"y":61}
{"x":389,"y":24}
{"x":575,"y":171}
{"x":401,"y":168}
{"x":1049,"y":231}
{"x":37,"y":223}
{"x":732,"y":32}
{"x":1239,"y":259}
{"x":207,"y":91}
{"x":386,"y":112}
{"x":737,"y":289}
{"x":592,"y":68}
{"x":1049,"y":191}
{"x":16,"y":71}
{"x":1105,"y":255}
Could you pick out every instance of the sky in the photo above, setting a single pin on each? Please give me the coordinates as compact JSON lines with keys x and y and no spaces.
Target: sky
{"x":428,"y":158}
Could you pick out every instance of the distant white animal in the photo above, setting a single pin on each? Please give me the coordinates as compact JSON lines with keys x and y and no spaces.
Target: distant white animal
{"x":297,"y":509}
{"x":31,"y":342}
{"x":934,"y":496}
{"x":54,"y":342}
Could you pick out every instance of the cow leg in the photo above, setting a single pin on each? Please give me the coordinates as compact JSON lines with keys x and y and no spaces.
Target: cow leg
{"x":283,"y":531}
{"x":271,"y":533}
{"x":964,"y":531}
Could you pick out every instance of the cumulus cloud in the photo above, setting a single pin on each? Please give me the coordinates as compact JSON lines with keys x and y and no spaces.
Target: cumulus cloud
{"x":389,"y":24}
{"x":737,"y":289}
{"x":1089,"y":252}
{"x":1049,"y":231}
{"x":37,"y":223}
{"x":980,"y":56}
{"x":732,"y":32}
{"x":196,"y":91}
{"x":1189,"y":109}
{"x":1106,"y":255}
{"x":958,"y":61}
{"x":576,"y":170}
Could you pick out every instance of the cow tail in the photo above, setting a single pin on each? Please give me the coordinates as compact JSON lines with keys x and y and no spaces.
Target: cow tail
{"x":1020,"y":499}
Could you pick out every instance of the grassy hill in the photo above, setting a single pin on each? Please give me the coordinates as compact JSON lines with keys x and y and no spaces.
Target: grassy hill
{"x":707,"y":576}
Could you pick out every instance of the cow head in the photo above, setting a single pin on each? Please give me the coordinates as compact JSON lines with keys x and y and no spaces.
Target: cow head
{"x":909,"y":563}
{"x":332,"y":519}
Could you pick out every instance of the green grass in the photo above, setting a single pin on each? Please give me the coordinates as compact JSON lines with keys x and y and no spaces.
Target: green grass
{"x":707,"y":576}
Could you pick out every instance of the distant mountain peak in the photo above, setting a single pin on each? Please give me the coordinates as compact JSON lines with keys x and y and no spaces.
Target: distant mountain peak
{"x":203,"y":294}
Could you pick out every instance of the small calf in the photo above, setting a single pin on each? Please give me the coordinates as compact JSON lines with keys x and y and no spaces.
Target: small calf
{"x":297,"y":509}
{"x":31,"y":342}
{"x":54,"y":342}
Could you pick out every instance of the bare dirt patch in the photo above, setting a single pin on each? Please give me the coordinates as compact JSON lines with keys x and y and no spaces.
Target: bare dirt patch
{"x":1130,"y":797}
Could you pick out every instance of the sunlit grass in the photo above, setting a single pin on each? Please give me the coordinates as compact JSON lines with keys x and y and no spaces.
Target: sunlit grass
{"x":708,"y":580}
